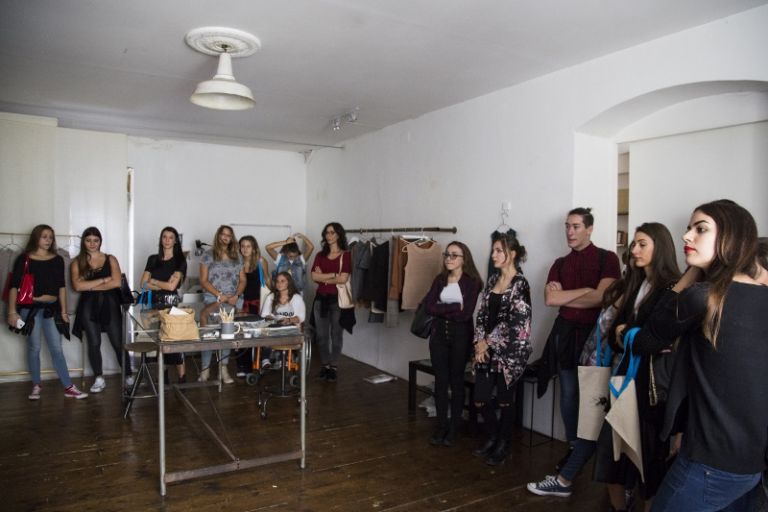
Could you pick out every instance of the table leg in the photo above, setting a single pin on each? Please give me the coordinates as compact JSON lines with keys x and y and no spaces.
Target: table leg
{"x":303,"y":405}
{"x":161,"y":416}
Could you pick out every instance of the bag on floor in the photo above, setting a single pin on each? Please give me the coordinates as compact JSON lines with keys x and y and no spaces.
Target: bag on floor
{"x":178,"y":324}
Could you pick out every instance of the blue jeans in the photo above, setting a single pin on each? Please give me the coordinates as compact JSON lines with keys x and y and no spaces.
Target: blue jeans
{"x":53,"y":340}
{"x":569,"y":402}
{"x":582,"y":452}
{"x":205,"y":355}
{"x":694,"y":486}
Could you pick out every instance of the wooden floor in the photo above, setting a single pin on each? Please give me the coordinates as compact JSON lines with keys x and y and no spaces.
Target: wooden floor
{"x":365,"y":452}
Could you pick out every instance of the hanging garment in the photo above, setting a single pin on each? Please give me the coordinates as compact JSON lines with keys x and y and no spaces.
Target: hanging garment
{"x":375,"y":289}
{"x":361,"y":258}
{"x":399,"y":259}
{"x":424,"y":263}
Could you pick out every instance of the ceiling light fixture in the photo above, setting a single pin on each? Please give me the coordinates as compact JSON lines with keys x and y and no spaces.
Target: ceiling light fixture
{"x":223,"y":92}
{"x":339,"y":121}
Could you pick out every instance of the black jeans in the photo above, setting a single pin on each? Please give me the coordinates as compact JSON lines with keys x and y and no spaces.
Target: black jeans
{"x":449,"y":351}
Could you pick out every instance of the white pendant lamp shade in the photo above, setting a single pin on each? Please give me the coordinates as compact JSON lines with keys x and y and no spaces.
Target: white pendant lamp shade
{"x":223,"y":92}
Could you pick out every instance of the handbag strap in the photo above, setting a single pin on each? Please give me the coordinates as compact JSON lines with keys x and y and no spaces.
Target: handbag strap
{"x":634,"y":362}
{"x":26,"y":264}
{"x":605,"y":360}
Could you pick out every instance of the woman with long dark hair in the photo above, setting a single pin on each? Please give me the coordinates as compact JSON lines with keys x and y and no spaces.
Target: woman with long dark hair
{"x":96,"y":276}
{"x":285,"y":304}
{"x":501,"y":344}
{"x":164,"y":273}
{"x":48,"y":302}
{"x":451,"y":301}
{"x":332,"y":266}
{"x":655,"y":272}
{"x":718,"y":310}
{"x":223,"y":279}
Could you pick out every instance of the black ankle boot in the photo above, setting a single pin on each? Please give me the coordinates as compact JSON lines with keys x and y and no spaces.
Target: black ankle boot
{"x":451,"y":435}
{"x":438,"y":436}
{"x":499,"y":454}
{"x":487,"y":447}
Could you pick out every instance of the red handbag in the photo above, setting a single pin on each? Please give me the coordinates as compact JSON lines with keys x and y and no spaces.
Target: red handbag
{"x":27,"y":286}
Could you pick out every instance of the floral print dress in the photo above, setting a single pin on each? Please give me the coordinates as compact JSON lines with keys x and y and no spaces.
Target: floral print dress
{"x":508,"y":341}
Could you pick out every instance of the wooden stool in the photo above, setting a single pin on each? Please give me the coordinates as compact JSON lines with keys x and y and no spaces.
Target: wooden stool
{"x":142,"y":347}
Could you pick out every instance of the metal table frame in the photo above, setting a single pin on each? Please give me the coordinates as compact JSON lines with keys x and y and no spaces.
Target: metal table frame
{"x":237,"y":463}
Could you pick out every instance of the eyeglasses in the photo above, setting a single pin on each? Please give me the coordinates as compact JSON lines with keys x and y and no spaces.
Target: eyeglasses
{"x":452,"y":255}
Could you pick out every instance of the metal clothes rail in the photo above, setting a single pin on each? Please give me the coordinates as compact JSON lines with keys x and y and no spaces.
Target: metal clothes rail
{"x":403,"y":230}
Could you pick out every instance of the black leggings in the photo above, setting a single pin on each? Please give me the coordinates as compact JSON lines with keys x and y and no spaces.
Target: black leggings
{"x":92,"y":332}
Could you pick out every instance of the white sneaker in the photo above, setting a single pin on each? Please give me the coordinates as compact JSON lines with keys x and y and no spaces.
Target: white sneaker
{"x":266,"y":364}
{"x":35,"y":394}
{"x":129,"y":380}
{"x":98,"y":385}
{"x":204,"y":375}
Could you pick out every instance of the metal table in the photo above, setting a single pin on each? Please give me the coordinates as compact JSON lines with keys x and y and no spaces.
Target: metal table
{"x":146,"y":326}
{"x":268,"y":339}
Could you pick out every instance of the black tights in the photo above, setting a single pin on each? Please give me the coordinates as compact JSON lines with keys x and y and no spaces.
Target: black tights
{"x":93,"y":337}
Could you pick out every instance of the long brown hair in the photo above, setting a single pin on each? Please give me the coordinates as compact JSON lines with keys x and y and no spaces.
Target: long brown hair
{"x":83,"y":257}
{"x":255,"y":258}
{"x":292,"y":290}
{"x":34,"y":239}
{"x":231,"y":250}
{"x":735,"y":252}
{"x":468,"y":264}
{"x":664,"y":270}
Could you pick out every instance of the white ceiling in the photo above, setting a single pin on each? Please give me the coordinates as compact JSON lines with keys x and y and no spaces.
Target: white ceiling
{"x":123,"y":65}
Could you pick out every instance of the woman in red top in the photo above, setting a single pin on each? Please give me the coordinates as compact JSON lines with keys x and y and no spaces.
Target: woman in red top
{"x":332,"y":266}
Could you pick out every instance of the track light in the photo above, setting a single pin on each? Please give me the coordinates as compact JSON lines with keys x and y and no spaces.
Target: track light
{"x":339,"y":121}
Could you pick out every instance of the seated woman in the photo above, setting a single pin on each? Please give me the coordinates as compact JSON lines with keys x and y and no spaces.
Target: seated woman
{"x":163,"y":274}
{"x":49,"y":302}
{"x":256,"y":276}
{"x":285,"y":304}
{"x":97,"y":277}
{"x":290,"y":259}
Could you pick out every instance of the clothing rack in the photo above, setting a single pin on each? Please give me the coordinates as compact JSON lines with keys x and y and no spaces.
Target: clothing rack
{"x":403,"y":230}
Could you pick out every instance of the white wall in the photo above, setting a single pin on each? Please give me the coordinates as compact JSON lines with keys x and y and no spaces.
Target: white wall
{"x":455,"y":166}
{"x":196,"y":187}
{"x":70,"y":179}
{"x":682,"y":171}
